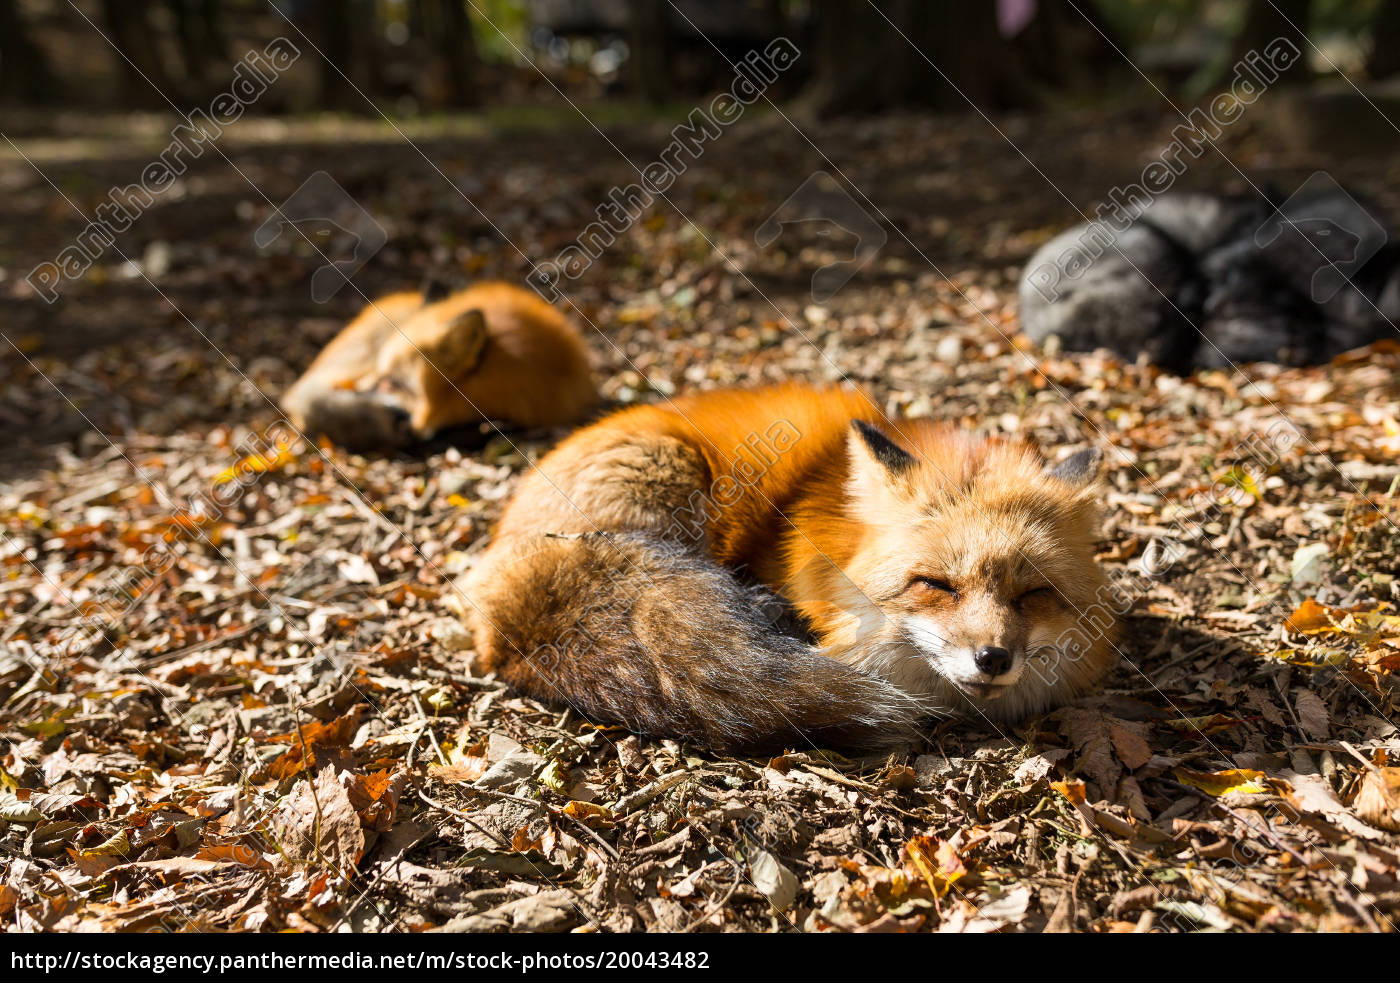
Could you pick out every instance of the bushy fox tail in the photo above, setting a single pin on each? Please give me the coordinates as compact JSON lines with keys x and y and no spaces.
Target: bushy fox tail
{"x":629,"y":629}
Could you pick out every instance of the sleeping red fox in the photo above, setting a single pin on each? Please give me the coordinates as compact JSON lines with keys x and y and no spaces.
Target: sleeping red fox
{"x":633,"y":574}
{"x":412,"y":364}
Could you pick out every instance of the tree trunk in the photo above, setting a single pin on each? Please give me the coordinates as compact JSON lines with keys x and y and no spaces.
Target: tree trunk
{"x":192,"y":54}
{"x":332,"y":30}
{"x":942,"y":54}
{"x":1069,"y":45}
{"x":647,"y":41}
{"x":202,"y":45}
{"x":145,"y":79}
{"x":977,"y":63}
{"x":364,"y":47}
{"x":1265,"y":22}
{"x":1385,"y":41}
{"x":213,"y":31}
{"x":25,"y":75}
{"x":451,"y":35}
{"x":854,"y":68}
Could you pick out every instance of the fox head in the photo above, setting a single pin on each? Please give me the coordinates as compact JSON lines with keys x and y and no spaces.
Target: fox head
{"x":973,"y":579}
{"x":388,"y":380}
{"x":421,"y":363}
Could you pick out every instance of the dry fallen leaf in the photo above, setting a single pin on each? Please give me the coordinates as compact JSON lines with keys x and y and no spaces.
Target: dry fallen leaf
{"x":1105,"y":744}
{"x":317,"y":824}
{"x":1378,"y":799}
{"x":778,"y":884}
{"x":311,"y":738}
{"x":1312,"y":714}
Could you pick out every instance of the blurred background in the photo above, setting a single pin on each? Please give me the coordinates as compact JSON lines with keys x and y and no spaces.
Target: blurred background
{"x":420,"y":57}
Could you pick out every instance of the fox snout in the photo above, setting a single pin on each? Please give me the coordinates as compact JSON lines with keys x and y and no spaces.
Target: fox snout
{"x":986,"y":671}
{"x":993,"y":660}
{"x":982,"y":662}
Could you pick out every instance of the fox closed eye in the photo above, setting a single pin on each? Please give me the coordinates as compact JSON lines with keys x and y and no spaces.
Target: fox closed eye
{"x":1037,"y":595}
{"x":938,"y":584}
{"x":390,"y":384}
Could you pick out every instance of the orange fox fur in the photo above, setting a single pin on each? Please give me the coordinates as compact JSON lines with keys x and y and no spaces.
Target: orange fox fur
{"x":409,"y":366}
{"x":639,"y":573}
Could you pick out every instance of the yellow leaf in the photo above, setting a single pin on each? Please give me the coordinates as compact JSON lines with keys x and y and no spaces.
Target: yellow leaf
{"x":458,"y":501}
{"x":1241,"y":479}
{"x":439,"y":698}
{"x":462,"y":761}
{"x":115,"y":846}
{"x":1372,"y":626}
{"x":1071,"y":790}
{"x":50,"y":726}
{"x":1315,"y":658}
{"x":936,"y":862}
{"x":1218,"y":783}
{"x":636,"y":315}
{"x":467,"y":771}
{"x":586,"y":810}
{"x":259,"y":463}
{"x":1312,"y":618}
{"x":1391,"y":441}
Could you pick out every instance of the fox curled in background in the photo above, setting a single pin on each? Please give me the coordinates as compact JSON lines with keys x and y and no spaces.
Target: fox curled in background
{"x":634,"y":574}
{"x":416,"y":363}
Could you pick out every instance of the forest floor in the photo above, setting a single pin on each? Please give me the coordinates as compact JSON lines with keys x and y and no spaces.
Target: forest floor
{"x":251,"y":711}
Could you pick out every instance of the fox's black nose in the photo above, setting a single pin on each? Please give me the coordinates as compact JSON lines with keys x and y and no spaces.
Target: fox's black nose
{"x":992,"y":660}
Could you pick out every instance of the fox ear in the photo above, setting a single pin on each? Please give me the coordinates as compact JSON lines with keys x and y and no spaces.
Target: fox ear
{"x":877,"y":464}
{"x":1079,"y":468}
{"x":456,"y":350}
{"x":892,"y":457}
{"x":434,"y":290}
